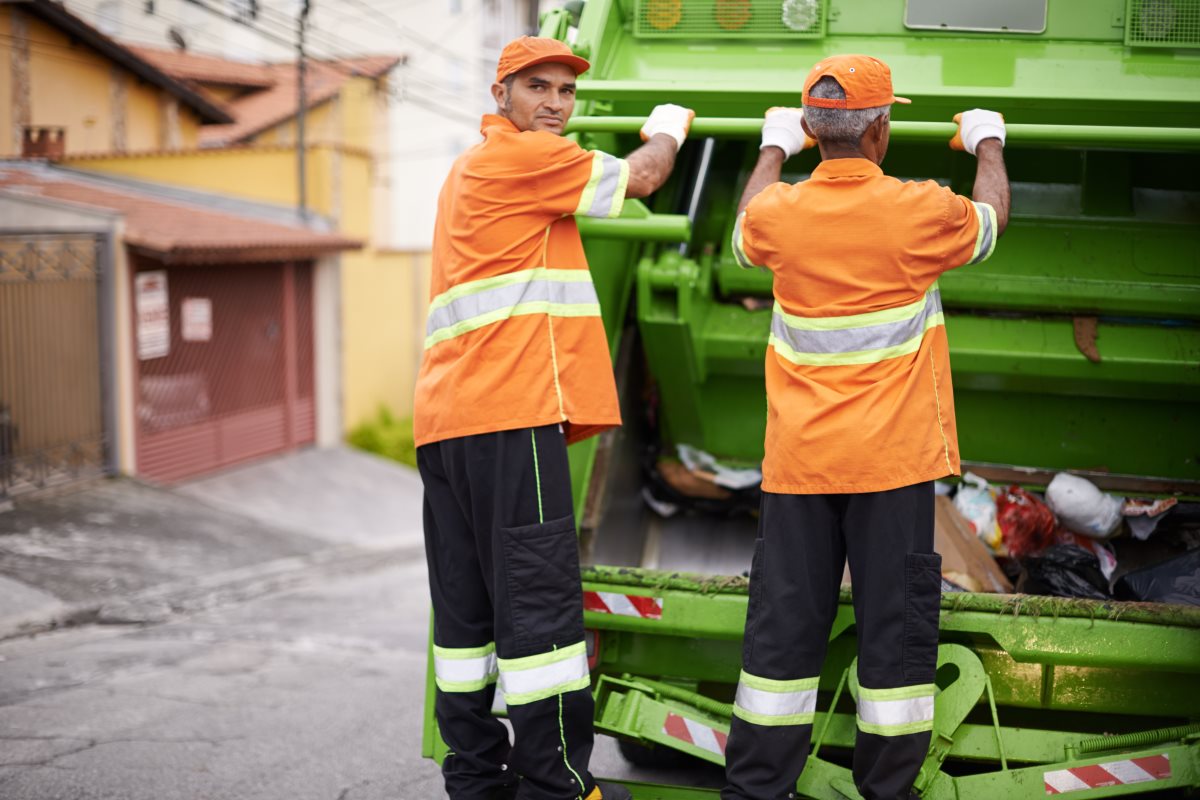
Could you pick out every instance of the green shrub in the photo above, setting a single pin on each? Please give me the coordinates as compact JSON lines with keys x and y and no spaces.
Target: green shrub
{"x":386,"y":436}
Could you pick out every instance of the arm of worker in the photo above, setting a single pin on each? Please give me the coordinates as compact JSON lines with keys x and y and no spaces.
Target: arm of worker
{"x":981,"y":133}
{"x":783,"y":136}
{"x":664,"y":132}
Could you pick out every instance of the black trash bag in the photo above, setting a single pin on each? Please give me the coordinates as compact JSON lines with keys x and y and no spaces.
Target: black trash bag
{"x":1173,"y":581}
{"x":1063,"y":571}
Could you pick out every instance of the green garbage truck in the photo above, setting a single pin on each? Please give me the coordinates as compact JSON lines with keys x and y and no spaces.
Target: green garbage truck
{"x":1075,"y":347}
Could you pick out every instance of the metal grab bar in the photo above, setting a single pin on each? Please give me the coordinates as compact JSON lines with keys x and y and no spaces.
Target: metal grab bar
{"x":1019,"y":134}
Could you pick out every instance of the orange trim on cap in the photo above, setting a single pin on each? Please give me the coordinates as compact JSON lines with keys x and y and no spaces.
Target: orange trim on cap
{"x":528,"y":51}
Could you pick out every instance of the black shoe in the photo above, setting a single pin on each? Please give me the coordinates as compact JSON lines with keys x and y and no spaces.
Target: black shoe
{"x":609,"y":791}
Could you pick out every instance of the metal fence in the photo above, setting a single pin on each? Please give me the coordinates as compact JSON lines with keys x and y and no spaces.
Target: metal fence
{"x":52,"y":416}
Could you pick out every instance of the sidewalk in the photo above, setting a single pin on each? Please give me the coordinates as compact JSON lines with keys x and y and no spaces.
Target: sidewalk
{"x":119,"y":551}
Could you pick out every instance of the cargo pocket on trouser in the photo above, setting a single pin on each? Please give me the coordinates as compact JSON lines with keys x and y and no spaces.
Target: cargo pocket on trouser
{"x":922,"y":606}
{"x":754,"y":603}
{"x":545,"y":599}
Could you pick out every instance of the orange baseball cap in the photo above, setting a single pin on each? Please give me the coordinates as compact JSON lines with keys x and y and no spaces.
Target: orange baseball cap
{"x":867,"y":82}
{"x":529,"y":50}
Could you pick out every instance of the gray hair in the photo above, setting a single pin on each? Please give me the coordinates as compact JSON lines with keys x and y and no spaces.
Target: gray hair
{"x":838,"y":125}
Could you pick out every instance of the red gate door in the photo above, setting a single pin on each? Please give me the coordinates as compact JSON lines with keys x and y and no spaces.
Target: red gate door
{"x":224,"y":364}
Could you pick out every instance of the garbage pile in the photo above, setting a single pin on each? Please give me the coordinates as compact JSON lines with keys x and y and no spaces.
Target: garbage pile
{"x":1073,"y":540}
{"x":1078,"y":541}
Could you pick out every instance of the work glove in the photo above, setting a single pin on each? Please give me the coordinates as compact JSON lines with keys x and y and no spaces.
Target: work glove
{"x":670,"y":119}
{"x":974,"y":126}
{"x":781,"y":129}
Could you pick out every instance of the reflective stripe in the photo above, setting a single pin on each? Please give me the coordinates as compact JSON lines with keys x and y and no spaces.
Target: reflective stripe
{"x":763,"y":701}
{"x":604,"y":193}
{"x":532,"y":678}
{"x":855,"y":339}
{"x":896,"y":712}
{"x":472,"y":305}
{"x":985,"y":240}
{"x":739,"y":255}
{"x":464,"y":669}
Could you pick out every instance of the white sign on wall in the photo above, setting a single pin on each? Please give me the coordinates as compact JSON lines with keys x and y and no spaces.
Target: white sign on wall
{"x":153,"y":315}
{"x":195,"y":319}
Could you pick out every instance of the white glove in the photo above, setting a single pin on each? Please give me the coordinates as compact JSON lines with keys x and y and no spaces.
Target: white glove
{"x":781,"y":129}
{"x":974,"y":126}
{"x":670,"y":119}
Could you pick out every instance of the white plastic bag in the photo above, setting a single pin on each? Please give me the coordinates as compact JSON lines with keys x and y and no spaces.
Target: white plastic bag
{"x":1082,"y":507}
{"x":977,"y":502}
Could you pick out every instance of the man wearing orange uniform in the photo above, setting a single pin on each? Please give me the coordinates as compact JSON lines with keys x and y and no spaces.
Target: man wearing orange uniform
{"x":516,"y":367}
{"x":860,"y":422}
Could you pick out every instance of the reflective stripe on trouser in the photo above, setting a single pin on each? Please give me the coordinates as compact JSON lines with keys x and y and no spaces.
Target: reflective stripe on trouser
{"x":857,"y":338}
{"x":794,"y":582}
{"x":472,"y":305}
{"x":498,"y":573}
{"x":464,"y":669}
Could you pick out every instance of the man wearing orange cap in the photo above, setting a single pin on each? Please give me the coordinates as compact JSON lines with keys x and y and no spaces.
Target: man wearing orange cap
{"x":860,"y":422}
{"x":516,"y":367}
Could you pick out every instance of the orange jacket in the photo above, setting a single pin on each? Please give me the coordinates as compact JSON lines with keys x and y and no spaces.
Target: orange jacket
{"x":514,"y":337}
{"x":859,"y":397}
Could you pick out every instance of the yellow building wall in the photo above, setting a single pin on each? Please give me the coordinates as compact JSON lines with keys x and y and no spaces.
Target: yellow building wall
{"x":384,"y":300}
{"x":71,"y":86}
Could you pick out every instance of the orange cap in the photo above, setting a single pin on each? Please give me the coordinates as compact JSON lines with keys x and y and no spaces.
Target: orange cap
{"x":867,"y":82}
{"x":529,"y":50}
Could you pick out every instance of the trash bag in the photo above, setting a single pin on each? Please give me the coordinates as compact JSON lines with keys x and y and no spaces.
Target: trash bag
{"x":1026,"y":523}
{"x":1063,"y":571}
{"x":1174,"y":581}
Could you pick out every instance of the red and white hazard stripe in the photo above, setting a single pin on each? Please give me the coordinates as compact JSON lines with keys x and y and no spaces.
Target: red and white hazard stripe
{"x":625,"y":605}
{"x":696,"y":733}
{"x":1115,"y":773}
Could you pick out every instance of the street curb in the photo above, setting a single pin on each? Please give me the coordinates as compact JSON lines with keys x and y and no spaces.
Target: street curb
{"x":161,"y":603}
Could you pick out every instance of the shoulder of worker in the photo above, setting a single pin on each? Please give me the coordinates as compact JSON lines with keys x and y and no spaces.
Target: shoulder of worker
{"x":536,"y":149}
{"x":771,"y":197}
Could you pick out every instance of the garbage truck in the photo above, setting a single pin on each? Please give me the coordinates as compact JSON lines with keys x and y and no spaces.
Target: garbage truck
{"x":1076,"y":347}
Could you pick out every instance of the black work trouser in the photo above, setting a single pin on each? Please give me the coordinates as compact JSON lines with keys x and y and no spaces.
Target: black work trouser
{"x":803,"y":544}
{"x":503,"y":561}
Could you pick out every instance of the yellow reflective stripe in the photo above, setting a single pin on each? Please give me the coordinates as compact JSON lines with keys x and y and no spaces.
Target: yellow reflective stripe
{"x":589,"y":189}
{"x":533,"y":678}
{"x":604,"y":193}
{"x":896,"y":712}
{"x":522,"y":309}
{"x":766,"y":701}
{"x":508,"y":279}
{"x":860,"y":357}
{"x":985,"y":239}
{"x":898,"y":314}
{"x":464,"y":669}
{"x":739,"y":254}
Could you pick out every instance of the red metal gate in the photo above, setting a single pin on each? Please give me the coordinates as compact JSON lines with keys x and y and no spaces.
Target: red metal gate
{"x":227,"y":376}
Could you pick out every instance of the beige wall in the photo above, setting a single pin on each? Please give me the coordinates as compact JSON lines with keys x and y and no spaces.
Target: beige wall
{"x":72,"y":86}
{"x":384,"y":298}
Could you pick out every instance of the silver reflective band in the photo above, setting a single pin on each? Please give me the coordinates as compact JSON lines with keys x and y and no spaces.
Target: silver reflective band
{"x":985,"y":241}
{"x":464,"y":669}
{"x":739,"y":255}
{"x":472,"y":305}
{"x":764,"y":701}
{"x":856,"y":339}
{"x":896,"y":712}
{"x":604,"y":193}
{"x":526,"y":680}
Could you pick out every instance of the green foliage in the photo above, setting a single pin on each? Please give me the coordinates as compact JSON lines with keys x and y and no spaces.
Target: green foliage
{"x":386,"y":436}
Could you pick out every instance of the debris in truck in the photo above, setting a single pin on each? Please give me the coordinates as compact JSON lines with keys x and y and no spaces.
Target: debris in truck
{"x":1174,"y":581}
{"x":691,"y":483}
{"x":1082,"y":507}
{"x":1143,"y":516}
{"x":966,"y":560}
{"x":1026,"y":523}
{"x":705,"y":465}
{"x":1103,"y":553}
{"x":1063,"y":571}
{"x":976,"y":501}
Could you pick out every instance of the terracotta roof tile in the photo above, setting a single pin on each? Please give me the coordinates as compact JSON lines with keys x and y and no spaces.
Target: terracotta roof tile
{"x":183,"y":233}
{"x":206,"y":69}
{"x":257,"y":111}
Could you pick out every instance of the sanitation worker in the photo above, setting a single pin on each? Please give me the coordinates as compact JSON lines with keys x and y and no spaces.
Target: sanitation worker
{"x":860,"y":421}
{"x":516,"y":367}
